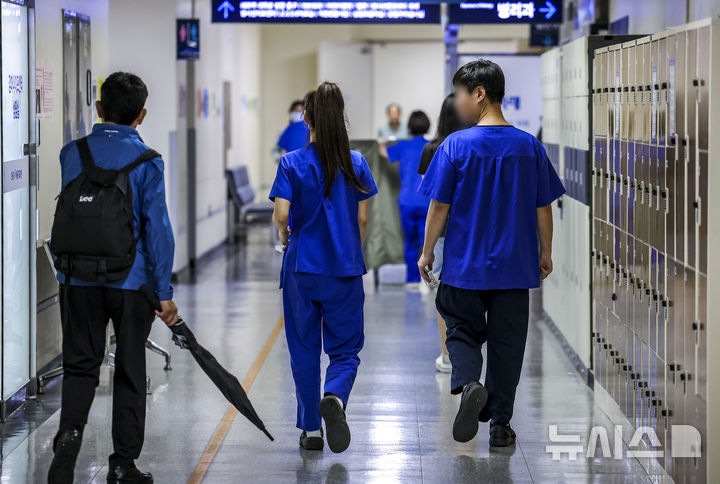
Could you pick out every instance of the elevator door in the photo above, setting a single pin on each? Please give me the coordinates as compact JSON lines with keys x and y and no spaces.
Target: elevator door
{"x":16,"y":244}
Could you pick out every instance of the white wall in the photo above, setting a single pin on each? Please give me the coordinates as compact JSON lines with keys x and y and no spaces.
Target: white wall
{"x":143,"y":41}
{"x":411,"y":74}
{"x":48,"y":14}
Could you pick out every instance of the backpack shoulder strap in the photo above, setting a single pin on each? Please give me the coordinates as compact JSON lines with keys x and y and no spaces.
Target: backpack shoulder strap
{"x":86,"y":156}
{"x":146,"y":156}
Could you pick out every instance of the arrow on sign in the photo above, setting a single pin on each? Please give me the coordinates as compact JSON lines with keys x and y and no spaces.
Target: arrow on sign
{"x":549,"y":9}
{"x":226,"y":7}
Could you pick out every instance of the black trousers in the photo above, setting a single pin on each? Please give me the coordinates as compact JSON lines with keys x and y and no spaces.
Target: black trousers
{"x":85,"y":313}
{"x":499,"y":317}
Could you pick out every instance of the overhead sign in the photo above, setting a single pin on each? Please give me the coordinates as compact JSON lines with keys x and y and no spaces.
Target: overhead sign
{"x":187,"y":38}
{"x":529,"y":12}
{"x":388,"y":12}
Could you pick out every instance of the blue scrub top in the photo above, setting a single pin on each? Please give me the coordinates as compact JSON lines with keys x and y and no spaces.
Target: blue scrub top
{"x":294,"y":137}
{"x":494,"y":178}
{"x":325,"y":236}
{"x":408,"y":153}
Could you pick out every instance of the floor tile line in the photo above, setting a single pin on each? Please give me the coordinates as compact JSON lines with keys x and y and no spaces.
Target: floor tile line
{"x":224,"y":426}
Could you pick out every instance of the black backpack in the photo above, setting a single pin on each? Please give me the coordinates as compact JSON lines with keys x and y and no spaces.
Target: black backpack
{"x":93,"y":234}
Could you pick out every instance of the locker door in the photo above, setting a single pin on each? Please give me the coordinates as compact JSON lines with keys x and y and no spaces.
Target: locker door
{"x":689,"y":372}
{"x":701,"y":337}
{"x":701,"y":86}
{"x":702,"y":210}
{"x":689,"y":141}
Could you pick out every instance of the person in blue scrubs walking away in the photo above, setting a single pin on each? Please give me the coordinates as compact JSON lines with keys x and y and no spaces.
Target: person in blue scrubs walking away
{"x":413,"y":205}
{"x":325,"y":187}
{"x":493,"y":184}
{"x":295,"y":135}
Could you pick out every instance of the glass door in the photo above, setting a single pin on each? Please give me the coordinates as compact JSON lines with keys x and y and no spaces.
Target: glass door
{"x":16,"y":243}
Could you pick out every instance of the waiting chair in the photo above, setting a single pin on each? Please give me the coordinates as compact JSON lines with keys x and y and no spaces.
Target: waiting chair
{"x":244,"y":210}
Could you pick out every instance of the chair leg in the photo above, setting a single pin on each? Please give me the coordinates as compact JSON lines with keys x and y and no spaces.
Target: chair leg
{"x":155,"y":348}
{"x":46,"y":376}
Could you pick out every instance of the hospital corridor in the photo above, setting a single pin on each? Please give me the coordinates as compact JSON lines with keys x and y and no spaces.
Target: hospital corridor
{"x":359,"y":242}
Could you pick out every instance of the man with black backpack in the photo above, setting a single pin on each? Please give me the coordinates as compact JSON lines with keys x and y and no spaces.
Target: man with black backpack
{"x":110,"y":236}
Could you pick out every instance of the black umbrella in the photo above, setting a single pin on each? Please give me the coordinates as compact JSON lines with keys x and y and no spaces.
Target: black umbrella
{"x":226,"y":382}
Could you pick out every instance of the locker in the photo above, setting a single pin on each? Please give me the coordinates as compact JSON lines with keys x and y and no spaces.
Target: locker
{"x":650,"y":196}
{"x":675,"y":335}
{"x":629,"y":187}
{"x":658,"y":404}
{"x":652,"y":337}
{"x":602,"y":342}
{"x":661,"y":304}
{"x":621,"y":185}
{"x":701,"y":85}
{"x":694,"y":469}
{"x":623,"y":87}
{"x":702,"y":211}
{"x":644,"y":386}
{"x":647,"y":91}
{"x":689,"y":334}
{"x":670,"y":319}
{"x":635,"y":376}
{"x":701,"y":337}
{"x":690,"y":144}
{"x":660,"y":199}
{"x":662,"y":91}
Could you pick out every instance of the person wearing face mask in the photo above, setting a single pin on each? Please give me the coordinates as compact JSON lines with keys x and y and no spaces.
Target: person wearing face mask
{"x":493,"y":184}
{"x":295,"y":135}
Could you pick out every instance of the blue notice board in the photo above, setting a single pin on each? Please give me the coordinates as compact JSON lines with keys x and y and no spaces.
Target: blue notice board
{"x":380,"y":12}
{"x":187,"y":37}
{"x":515,"y":12}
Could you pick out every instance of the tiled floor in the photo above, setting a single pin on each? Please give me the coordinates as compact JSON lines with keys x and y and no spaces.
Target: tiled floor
{"x":400,"y":412}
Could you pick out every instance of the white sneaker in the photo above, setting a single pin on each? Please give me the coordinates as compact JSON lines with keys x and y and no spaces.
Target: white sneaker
{"x":442,"y":364}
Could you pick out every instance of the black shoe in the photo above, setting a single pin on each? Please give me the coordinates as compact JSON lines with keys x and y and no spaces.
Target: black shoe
{"x":474,"y":398}
{"x":67,"y":448}
{"x":312,"y":443}
{"x":484,"y":415}
{"x":338,"y":432}
{"x":120,"y":473}
{"x":501,"y":435}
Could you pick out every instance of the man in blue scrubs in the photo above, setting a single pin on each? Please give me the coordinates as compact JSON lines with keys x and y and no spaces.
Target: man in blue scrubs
{"x":413,"y":205}
{"x":493,"y":183}
{"x":296,"y":134}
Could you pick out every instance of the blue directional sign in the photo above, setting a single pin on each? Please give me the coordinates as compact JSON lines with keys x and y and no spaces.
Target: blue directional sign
{"x":373,"y":12}
{"x":524,"y":12}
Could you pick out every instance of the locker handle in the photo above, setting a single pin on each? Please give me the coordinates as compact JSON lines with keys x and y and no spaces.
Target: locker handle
{"x":698,"y":211}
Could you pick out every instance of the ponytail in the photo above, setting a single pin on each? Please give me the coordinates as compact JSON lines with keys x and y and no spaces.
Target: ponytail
{"x":325,"y":110}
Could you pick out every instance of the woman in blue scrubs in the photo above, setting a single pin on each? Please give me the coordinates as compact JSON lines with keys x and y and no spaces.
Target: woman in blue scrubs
{"x":325,"y":187}
{"x":413,"y":205}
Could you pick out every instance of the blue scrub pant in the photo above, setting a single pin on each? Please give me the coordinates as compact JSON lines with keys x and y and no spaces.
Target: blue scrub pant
{"x":499,"y":317}
{"x":412,"y":218}
{"x":322,"y":310}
